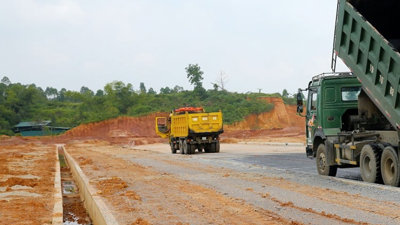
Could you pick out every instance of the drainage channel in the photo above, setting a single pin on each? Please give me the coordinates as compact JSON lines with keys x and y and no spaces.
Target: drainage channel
{"x":74,"y":212}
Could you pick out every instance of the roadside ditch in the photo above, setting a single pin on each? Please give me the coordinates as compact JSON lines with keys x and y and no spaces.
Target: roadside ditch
{"x":74,"y":212}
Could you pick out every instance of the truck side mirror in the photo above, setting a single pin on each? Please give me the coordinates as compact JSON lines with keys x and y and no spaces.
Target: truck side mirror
{"x":162,"y":124}
{"x":299,"y":102}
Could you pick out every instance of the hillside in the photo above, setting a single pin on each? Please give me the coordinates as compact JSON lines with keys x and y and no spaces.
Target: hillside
{"x":280,"y":124}
{"x":138,"y":130}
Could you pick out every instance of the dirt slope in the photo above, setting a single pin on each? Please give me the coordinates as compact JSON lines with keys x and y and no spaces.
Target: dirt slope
{"x":118,"y":127}
{"x":139,"y":129}
{"x":280,"y":124}
{"x":281,"y":116}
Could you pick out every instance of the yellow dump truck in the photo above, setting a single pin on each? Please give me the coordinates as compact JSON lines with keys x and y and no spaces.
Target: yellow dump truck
{"x":191,"y":128}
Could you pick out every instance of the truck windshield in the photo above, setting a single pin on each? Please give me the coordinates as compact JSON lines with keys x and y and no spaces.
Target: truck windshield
{"x":350,"y":93}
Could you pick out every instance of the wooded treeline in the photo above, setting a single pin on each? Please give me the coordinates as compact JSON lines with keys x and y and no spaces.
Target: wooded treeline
{"x":19,"y":102}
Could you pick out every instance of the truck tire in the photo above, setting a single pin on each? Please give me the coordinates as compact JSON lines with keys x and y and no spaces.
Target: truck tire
{"x":192,"y":148}
{"x":185,"y":147}
{"x":217,"y":146}
{"x":213,"y":147}
{"x":322,"y":162}
{"x":199,"y":148}
{"x":370,"y":164}
{"x":207,"y":148}
{"x":181,"y":147}
{"x":390,"y":167}
{"x":173,"y":149}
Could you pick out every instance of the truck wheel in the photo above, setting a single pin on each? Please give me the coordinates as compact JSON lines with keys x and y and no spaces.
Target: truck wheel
{"x":217,"y":146}
{"x":322,"y":162}
{"x":199,"y":148}
{"x":192,"y":148}
{"x":207,"y":148}
{"x":370,"y":160}
{"x":173,"y":150}
{"x":185,"y":147}
{"x":189,"y":148}
{"x":213,"y":147}
{"x":390,"y":167}
{"x":181,"y":147}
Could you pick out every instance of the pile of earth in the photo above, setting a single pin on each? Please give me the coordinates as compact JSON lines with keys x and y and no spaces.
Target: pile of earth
{"x":280,"y":124}
{"x":139,"y":130}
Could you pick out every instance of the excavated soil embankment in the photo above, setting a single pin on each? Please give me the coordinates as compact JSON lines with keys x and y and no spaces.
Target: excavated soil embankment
{"x":139,"y":130}
{"x":279,"y":125}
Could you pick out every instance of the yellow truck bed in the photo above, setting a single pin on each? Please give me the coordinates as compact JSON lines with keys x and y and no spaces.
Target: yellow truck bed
{"x":196,"y":123}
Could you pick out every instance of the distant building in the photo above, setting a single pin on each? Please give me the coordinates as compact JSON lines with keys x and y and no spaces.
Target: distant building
{"x":41,"y":128}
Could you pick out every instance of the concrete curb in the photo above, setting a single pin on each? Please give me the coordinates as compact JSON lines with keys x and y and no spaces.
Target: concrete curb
{"x":97,"y":209}
{"x":58,"y":199}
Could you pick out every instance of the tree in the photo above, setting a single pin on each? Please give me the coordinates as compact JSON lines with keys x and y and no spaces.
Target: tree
{"x":215,"y":86}
{"x":195,"y":75}
{"x":177,"y":89}
{"x":51,"y":93}
{"x":119,"y":95}
{"x":99,"y":93}
{"x":285,"y":94}
{"x":151,"y":91}
{"x":142,"y":88}
{"x":86,"y":91}
{"x":73,"y":96}
{"x":5,"y":81}
{"x":165,"y":90}
{"x":61,"y":94}
{"x":118,"y":88}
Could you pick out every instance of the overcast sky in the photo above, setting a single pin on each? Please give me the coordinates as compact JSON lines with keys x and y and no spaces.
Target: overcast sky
{"x":264,"y":44}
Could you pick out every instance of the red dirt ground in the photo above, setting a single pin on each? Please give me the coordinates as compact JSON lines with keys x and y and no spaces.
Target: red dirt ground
{"x":26,"y":183}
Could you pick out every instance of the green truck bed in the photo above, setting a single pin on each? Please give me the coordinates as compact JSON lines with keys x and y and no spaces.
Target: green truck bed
{"x":367,"y":39}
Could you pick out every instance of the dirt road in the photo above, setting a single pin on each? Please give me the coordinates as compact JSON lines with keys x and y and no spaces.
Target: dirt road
{"x":244,"y":184}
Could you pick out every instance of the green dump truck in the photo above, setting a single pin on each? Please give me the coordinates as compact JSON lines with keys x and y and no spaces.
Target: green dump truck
{"x":353,"y":119}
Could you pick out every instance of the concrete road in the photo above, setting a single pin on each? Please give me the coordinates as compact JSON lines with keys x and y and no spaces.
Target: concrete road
{"x":279,"y":156}
{"x":243,"y":184}
{"x":296,"y":162}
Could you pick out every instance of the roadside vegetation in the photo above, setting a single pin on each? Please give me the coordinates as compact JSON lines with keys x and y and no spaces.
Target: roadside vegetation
{"x":21,"y":102}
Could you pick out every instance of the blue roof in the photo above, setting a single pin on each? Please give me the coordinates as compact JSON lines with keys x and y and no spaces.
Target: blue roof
{"x":33,"y":124}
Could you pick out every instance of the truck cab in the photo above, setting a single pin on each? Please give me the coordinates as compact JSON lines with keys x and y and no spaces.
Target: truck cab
{"x":331,"y":101}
